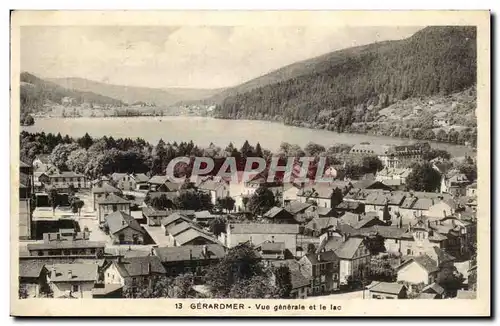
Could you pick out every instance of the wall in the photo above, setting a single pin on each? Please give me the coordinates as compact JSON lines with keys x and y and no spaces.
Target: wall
{"x":345,"y":270}
{"x":392,"y":245}
{"x":108,"y":209}
{"x":413,"y":273}
{"x":416,"y":247}
{"x":128,"y":234}
{"x":290,"y":240}
{"x":439,"y":209}
{"x":62,"y":288}
{"x":378,"y":295}
{"x":112,"y":276}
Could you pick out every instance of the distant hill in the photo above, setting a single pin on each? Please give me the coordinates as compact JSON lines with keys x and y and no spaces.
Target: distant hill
{"x":132,"y":94}
{"x":35,"y":92}
{"x":349,"y":86}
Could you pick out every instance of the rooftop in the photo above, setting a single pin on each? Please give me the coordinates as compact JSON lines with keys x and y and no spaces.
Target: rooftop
{"x":185,"y":253}
{"x":112,"y":199}
{"x":259,"y":228}
{"x":140,"y":266}
{"x":73,"y":272}
{"x":77,"y":244}
{"x":386,"y":287}
{"x":119,"y":220}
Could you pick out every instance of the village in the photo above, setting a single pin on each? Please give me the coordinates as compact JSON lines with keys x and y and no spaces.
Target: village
{"x":125,"y":235}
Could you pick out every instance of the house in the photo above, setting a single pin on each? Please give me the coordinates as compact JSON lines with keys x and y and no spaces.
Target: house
{"x":350,"y":206}
{"x":272,"y":250}
{"x":443,"y":208}
{"x":74,"y":280}
{"x":420,"y":237}
{"x":32,"y":277}
{"x":279,"y":215}
{"x":391,"y":156}
{"x":194,"y":236}
{"x":386,"y":290}
{"x":133,"y":272}
{"x":460,"y":234}
{"x":353,"y":254}
{"x":205,"y":217}
{"x":471,"y":190}
{"x":468,"y":202}
{"x":215,"y":189}
{"x":365,"y":220}
{"x":322,"y":195}
{"x":258,"y":233}
{"x":67,"y":248}
{"x":385,"y":204}
{"x":370,"y":184}
{"x":433,"y":291}
{"x":162,"y":183}
{"x":153,"y":216}
{"x":101,"y":191}
{"x":133,"y":181}
{"x":420,"y":269}
{"x":63,"y":180}
{"x":319,"y":225}
{"x":124,"y":229}
{"x":189,"y":259}
{"x":111,"y":203}
{"x":301,"y":283}
{"x":65,"y":235}
{"x":110,"y":291}
{"x":393,"y":174}
{"x":297,"y":208}
{"x":173,"y":219}
{"x":454,"y":183}
{"x":323,"y":270}
{"x":290,"y":192}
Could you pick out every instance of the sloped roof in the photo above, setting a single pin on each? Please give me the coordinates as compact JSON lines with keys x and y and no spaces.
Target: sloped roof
{"x":119,"y":220}
{"x":434,"y":287}
{"x":274,"y":211}
{"x":140,"y":177}
{"x":321,"y":223}
{"x":440,"y":255}
{"x":65,"y":245}
{"x":151,"y":212}
{"x":140,"y":266}
{"x":79,"y":272}
{"x":272,"y":246}
{"x":112,"y":199}
{"x":297,"y":278}
{"x":427,"y":263}
{"x":105,"y":188}
{"x":210,"y":185}
{"x":193,"y":233}
{"x":348,"y":248}
{"x":295,"y":207}
{"x":319,"y":190}
{"x":158,"y":179}
{"x":348,"y":205}
{"x":174,"y":217}
{"x":386,"y":287}
{"x":259,"y":228}
{"x":184,"y":253}
{"x":30,"y":268}
{"x":175,"y":229}
{"x":381,"y":198}
{"x":118,"y":176}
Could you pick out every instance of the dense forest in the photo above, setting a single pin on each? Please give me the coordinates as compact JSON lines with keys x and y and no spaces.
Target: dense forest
{"x":352,"y":85}
{"x":35,"y":92}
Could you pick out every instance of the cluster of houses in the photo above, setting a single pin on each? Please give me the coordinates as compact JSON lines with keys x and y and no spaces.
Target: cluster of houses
{"x":321,"y":232}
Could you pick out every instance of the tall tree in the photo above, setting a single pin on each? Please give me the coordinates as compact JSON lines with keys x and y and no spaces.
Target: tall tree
{"x":261,"y":201}
{"x":283,"y":281}
{"x":423,"y":177}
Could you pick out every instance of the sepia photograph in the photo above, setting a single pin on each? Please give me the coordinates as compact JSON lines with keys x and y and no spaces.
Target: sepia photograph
{"x":265,"y":163}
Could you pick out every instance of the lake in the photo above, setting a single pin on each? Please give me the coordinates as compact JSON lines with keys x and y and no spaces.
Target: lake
{"x":202,"y":131}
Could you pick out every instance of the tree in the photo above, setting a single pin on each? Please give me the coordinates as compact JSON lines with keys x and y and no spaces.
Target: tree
{"x":261,"y":201}
{"x":77,"y":160}
{"x":470,"y":170}
{"x":152,"y":287}
{"x":191,"y":199}
{"x":226,"y":203}
{"x":77,"y":205}
{"x":60,"y":154}
{"x":313,"y":149}
{"x":217,"y":225}
{"x":241,"y":263}
{"x":375,"y":244}
{"x":283,"y":281}
{"x":160,"y":203}
{"x":258,"y":151}
{"x":433,"y":153}
{"x":183,"y":285}
{"x":86,"y":141}
{"x":257,"y":287}
{"x":450,"y":280}
{"x":311,"y":248}
{"x":244,"y":201}
{"x":371,"y":164}
{"x":423,"y":177}
{"x":53,"y":198}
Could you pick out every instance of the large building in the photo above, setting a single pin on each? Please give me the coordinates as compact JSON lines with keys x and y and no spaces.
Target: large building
{"x":391,"y":156}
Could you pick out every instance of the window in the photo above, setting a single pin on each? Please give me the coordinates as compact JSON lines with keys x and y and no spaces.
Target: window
{"x":408,"y":251}
{"x":115,"y":208}
{"x":396,"y":240}
{"x":40,"y":253}
{"x":74,"y":288}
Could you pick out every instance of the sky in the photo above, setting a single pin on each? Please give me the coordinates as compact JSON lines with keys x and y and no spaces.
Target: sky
{"x":188,"y":57}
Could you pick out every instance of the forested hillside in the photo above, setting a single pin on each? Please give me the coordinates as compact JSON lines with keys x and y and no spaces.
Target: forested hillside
{"x":351,"y":86}
{"x":132,"y":94}
{"x":35,"y":92}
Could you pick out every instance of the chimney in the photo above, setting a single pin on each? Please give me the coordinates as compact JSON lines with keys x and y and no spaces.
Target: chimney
{"x":52,"y":273}
{"x":70,"y":274}
{"x":74,"y":236}
{"x":360,"y":217}
{"x":58,"y":236}
{"x":205,"y":250}
{"x":119,"y":260}
{"x":444,"y":213}
{"x":124,"y":222}
{"x":152,"y":251}
{"x":319,"y":257}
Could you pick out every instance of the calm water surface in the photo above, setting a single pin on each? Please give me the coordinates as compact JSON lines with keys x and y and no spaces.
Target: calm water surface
{"x":203,"y":130}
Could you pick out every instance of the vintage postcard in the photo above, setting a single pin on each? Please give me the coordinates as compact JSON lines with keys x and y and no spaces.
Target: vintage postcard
{"x":250,"y":163}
